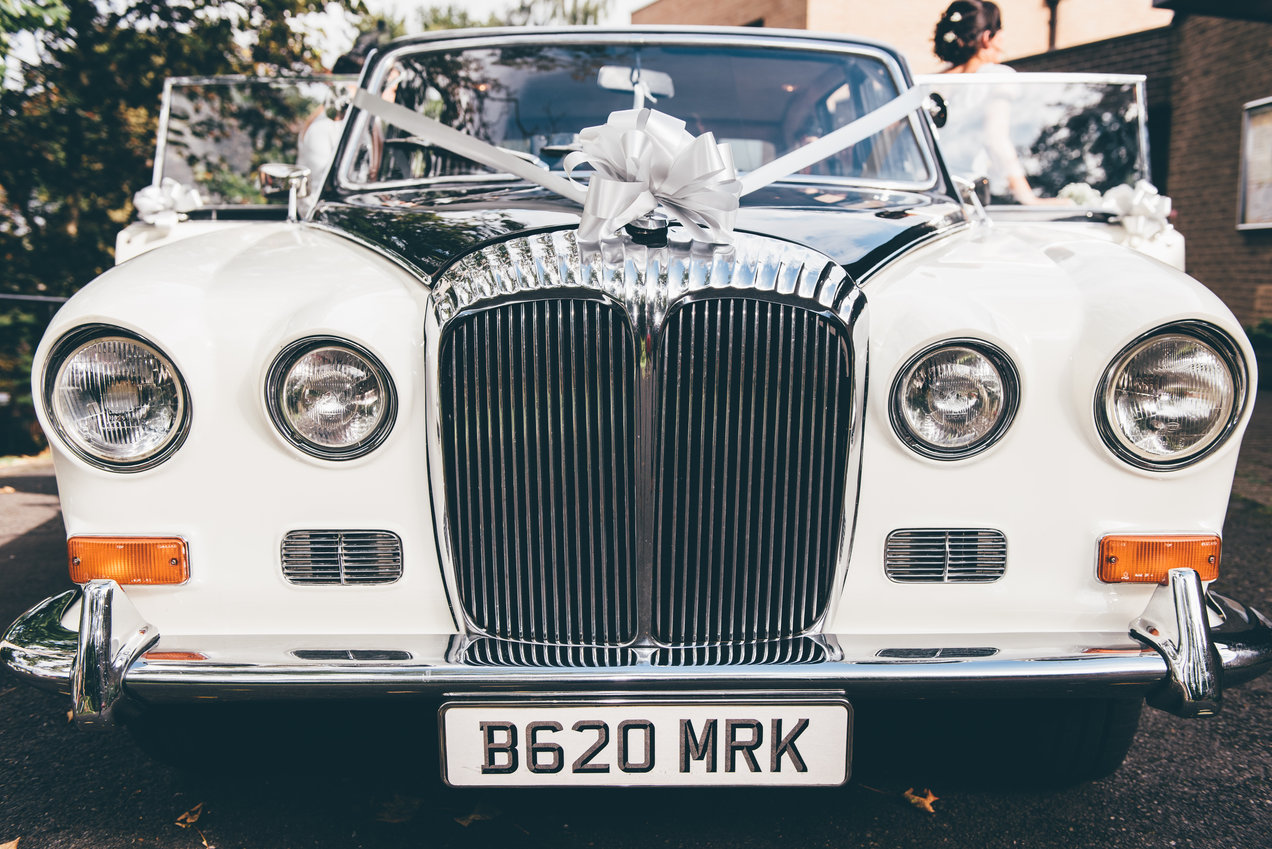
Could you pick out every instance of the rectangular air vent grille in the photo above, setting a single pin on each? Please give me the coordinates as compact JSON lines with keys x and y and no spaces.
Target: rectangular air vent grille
{"x":945,"y":556}
{"x":342,"y":557}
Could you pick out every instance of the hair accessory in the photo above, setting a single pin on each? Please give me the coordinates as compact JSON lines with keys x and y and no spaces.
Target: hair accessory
{"x":955,"y":17}
{"x":949,"y":36}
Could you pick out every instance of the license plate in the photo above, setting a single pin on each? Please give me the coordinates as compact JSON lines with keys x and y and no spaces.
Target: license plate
{"x":622,"y":744}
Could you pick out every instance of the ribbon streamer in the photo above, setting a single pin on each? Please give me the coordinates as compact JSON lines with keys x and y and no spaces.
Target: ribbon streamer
{"x":1140,"y":209}
{"x":644,"y":159}
{"x":163,"y":205}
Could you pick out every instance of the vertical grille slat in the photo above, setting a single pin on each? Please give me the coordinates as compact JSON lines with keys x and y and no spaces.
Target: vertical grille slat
{"x":537,"y":523}
{"x":749,"y":578}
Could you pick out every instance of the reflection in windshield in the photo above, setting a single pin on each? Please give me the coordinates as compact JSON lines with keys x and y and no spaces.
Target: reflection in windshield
{"x":220,"y":132}
{"x":534,"y":99}
{"x":1062,"y":133}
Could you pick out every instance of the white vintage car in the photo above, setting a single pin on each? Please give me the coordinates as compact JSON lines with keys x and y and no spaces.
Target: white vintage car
{"x":645,"y":402}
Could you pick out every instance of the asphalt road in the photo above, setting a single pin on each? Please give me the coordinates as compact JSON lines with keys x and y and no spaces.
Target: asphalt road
{"x":1199,"y":783}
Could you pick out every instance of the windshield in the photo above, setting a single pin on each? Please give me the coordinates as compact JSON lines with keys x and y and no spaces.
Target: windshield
{"x":217,"y":132}
{"x":534,"y":99}
{"x":1069,"y":138}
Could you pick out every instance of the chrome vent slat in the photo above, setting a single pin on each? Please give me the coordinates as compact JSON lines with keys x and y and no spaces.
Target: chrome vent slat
{"x":533,"y":515}
{"x":342,"y":557}
{"x":732,"y":560}
{"x":945,"y":555}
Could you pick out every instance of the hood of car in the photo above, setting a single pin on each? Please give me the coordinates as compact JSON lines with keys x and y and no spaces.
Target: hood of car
{"x":428,"y":228}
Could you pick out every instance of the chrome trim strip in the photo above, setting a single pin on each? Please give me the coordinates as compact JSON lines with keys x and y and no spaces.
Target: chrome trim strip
{"x":1176,"y":623}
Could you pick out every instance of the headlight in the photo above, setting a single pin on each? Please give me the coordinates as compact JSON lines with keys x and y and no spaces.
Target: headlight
{"x":115,"y":399}
{"x":330,"y":398}
{"x":954,"y":399}
{"x":1171,"y":396}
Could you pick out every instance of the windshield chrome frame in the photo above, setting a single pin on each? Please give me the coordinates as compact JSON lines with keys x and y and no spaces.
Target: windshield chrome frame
{"x":497,"y":38}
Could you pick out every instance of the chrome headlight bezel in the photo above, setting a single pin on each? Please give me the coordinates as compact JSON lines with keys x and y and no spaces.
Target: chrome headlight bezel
{"x":1007,"y":373}
{"x":276,"y":379}
{"x":72,"y":343}
{"x":1208,"y":334}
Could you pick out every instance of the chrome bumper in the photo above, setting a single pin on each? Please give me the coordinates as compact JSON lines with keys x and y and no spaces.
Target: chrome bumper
{"x":1181,"y":663}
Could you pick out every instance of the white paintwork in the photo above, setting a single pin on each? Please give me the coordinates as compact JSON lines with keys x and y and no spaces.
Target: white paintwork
{"x":139,"y":237}
{"x":222,"y":305}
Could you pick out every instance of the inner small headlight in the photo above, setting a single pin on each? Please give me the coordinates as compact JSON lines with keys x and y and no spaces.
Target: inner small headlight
{"x":1170,"y":397}
{"x":331,"y":398}
{"x":954,"y":399}
{"x":115,"y":399}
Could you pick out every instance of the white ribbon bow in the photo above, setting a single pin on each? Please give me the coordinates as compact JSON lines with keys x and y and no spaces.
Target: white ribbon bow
{"x":163,"y":205}
{"x":1140,"y":210}
{"x":644,"y":158}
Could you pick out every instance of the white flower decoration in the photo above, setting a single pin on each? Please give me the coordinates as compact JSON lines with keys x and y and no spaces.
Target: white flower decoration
{"x":949,"y":36}
{"x":956,"y":17}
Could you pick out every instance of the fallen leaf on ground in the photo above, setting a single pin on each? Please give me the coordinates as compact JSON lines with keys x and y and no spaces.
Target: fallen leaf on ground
{"x":6,"y":490}
{"x":925,"y":801}
{"x":70,"y":717}
{"x":191,"y":816}
{"x":398,"y":809}
{"x":481,"y":812}
{"x":206,"y":844}
{"x":12,"y":844}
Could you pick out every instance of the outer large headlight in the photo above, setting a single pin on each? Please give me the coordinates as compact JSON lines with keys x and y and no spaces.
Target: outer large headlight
{"x":954,"y":399}
{"x":115,"y":399}
{"x":1172,"y":396}
{"x":331,"y":398}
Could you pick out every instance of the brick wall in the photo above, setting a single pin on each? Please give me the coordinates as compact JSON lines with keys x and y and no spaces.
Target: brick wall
{"x":1220,"y":65}
{"x":787,"y":14}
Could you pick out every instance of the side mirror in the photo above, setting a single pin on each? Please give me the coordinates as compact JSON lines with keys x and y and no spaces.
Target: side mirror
{"x":935,"y":106}
{"x":275,"y":178}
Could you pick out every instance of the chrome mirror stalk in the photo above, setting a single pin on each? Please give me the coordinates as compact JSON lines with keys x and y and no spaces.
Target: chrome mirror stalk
{"x":278,"y":177}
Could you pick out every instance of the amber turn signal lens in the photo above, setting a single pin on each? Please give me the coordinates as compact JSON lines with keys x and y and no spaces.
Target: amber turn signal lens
{"x":128,"y":560}
{"x":1149,"y":559}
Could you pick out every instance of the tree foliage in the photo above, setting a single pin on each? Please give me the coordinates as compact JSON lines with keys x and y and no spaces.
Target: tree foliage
{"x":79,"y":136}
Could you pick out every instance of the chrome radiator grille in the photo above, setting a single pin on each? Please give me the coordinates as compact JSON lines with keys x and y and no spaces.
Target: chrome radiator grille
{"x":538,"y":409}
{"x":750,"y":478}
{"x":645,"y":445}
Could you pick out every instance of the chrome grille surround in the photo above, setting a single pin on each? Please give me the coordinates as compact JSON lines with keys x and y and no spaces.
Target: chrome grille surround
{"x":945,"y":555}
{"x":628,"y":291}
{"x":342,"y":557}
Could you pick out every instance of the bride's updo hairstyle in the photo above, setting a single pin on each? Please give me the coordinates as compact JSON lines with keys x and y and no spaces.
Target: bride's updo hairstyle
{"x":959,"y":30}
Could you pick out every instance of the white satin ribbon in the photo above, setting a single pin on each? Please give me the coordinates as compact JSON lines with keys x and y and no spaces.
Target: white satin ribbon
{"x":644,"y":159}
{"x":163,"y":205}
{"x":1141,"y":211}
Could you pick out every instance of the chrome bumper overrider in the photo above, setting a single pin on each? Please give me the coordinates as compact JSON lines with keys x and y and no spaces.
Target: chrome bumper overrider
{"x":1194,"y":644}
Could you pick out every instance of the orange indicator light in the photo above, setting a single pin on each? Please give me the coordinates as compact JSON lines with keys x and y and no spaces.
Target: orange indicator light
{"x":1148,"y":559}
{"x":175,"y":655}
{"x":128,"y":560}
